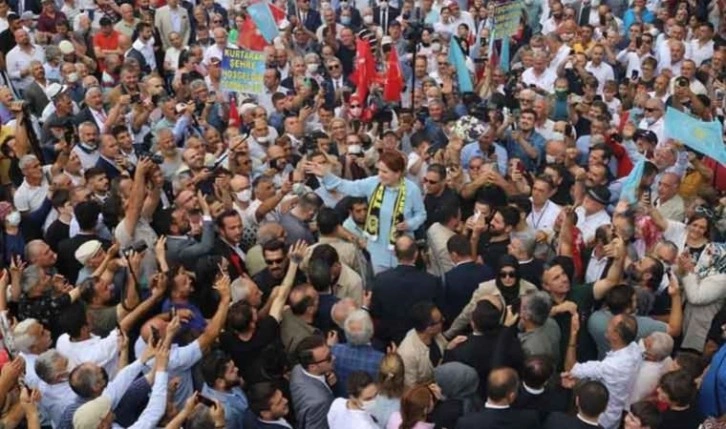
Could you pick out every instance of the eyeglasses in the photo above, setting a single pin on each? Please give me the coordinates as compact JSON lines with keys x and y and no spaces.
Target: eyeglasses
{"x":333,"y":66}
{"x":650,"y":109}
{"x":505,"y":274}
{"x":354,"y":106}
{"x":429,"y":181}
{"x":441,"y":64}
{"x":274,"y":261}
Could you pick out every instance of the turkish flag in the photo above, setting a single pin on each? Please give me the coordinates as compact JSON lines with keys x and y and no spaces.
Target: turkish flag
{"x":365,"y":68}
{"x":393,"y":78}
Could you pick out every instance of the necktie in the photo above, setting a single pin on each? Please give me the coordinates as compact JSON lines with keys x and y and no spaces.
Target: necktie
{"x":384,"y":21}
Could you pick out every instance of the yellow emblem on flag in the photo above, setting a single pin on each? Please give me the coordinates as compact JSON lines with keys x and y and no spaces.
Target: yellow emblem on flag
{"x":699,"y":133}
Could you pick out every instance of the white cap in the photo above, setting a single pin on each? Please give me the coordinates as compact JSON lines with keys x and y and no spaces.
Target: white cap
{"x":87,"y":251}
{"x":386,"y":40}
{"x":66,"y":47}
{"x":54,"y":89}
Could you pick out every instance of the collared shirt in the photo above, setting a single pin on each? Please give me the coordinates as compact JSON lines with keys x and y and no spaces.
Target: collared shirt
{"x":472,"y":150}
{"x":603,"y":72}
{"x":544,"y":219}
{"x":545,"y":80}
{"x":234,"y":403}
{"x":495,"y":406}
{"x":147,"y":50}
{"x":320,"y":378}
{"x":88,"y":159}
{"x":617,"y":371}
{"x":54,"y":399}
{"x":350,"y":358}
{"x":353,"y":227}
{"x":100,"y":117}
{"x":587,"y":224}
{"x":595,"y":268}
{"x":701,"y":52}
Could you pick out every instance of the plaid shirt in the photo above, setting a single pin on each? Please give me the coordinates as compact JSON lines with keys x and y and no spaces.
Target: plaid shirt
{"x":349,"y":358}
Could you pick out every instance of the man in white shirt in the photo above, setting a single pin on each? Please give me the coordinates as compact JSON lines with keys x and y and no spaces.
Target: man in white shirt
{"x":217,"y":49}
{"x":617,"y":371}
{"x":271,"y":82}
{"x":601,"y":70}
{"x":87,"y":147}
{"x":551,"y":24}
{"x":544,"y":212}
{"x":145,"y":45}
{"x":688,"y":72}
{"x":702,"y":46}
{"x":668,"y":203}
{"x":33,"y":192}
{"x":539,"y":75}
{"x":560,"y":51}
{"x":591,"y":214}
{"x":19,"y":59}
{"x":653,"y":118}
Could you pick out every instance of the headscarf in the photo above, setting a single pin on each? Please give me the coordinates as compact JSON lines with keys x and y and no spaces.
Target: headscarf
{"x":508,"y":293}
{"x":460,"y":382}
{"x":712,"y":260}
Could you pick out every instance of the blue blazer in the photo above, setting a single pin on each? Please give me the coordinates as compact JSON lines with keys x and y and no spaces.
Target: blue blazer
{"x":459,"y":285}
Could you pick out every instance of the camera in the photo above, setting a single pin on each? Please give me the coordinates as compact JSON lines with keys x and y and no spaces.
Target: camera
{"x":135,"y":98}
{"x":682,"y":82}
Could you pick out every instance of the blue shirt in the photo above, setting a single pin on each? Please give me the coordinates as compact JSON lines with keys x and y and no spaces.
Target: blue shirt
{"x":196,"y":323}
{"x":350,"y":358}
{"x":631,"y":18}
{"x":473,"y":150}
{"x":414,"y":213}
{"x":234,"y":404}
{"x":515,"y":150}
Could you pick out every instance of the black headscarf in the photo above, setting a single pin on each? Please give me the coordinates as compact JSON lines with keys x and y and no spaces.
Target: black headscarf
{"x":510,"y":294}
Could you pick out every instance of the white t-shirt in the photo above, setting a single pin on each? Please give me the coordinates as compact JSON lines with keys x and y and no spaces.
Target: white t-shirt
{"x":30,"y":198}
{"x":417,"y":178}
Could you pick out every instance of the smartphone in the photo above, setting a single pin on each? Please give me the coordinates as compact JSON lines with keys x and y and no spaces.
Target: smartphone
{"x":516,"y":305}
{"x":206,"y":401}
{"x":520,"y":166}
{"x":173,"y":312}
{"x":634,"y":74}
{"x":155,"y":335}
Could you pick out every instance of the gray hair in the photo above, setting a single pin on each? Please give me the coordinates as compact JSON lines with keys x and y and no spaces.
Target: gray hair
{"x":196,"y":84}
{"x":87,"y":124}
{"x":31,"y":277}
{"x":661,"y":345}
{"x":25,"y":160}
{"x":23,"y":340}
{"x":31,"y":249}
{"x":536,"y":307}
{"x":358,"y":328}
{"x":91,"y":90}
{"x":45,"y":366}
{"x":239,"y":290}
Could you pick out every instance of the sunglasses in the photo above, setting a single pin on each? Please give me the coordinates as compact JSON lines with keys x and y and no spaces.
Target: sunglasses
{"x":650,"y":109}
{"x":333,"y":66}
{"x":505,"y":274}
{"x":429,"y":181}
{"x":354,"y":106}
{"x":274,"y":261}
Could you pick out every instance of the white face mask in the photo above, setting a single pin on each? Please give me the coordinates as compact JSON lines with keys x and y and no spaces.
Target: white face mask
{"x":312,"y":68}
{"x":13,"y":219}
{"x":650,"y":121}
{"x":436,"y":46}
{"x":244,"y":195}
{"x":73,"y":77}
{"x":368,"y":19}
{"x":558,"y":136}
{"x":550,"y":159}
{"x":262,"y":139}
{"x":368,"y":406}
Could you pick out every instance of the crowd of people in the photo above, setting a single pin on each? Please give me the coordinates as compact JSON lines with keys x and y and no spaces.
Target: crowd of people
{"x":536,"y":251}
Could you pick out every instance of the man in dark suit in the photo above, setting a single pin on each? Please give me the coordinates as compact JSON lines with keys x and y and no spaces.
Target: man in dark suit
{"x":461,"y":281}
{"x":491,"y":345}
{"x":180,"y":247}
{"x":305,"y":16}
{"x":502,"y":391}
{"x":591,"y":399}
{"x":536,"y":393}
{"x":35,"y":92}
{"x":395,"y":291}
{"x":7,"y":39}
{"x":269,"y":405}
{"x":86,"y":214}
{"x":311,"y":394}
{"x":229,"y":224}
{"x":383,"y":15}
{"x":336,"y":83}
{"x":109,"y":159}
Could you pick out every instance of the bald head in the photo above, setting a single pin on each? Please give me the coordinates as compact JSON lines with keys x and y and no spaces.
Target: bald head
{"x":405,"y":250}
{"x":342,"y":309}
{"x":502,"y":386}
{"x":239,"y":183}
{"x":269,"y":231}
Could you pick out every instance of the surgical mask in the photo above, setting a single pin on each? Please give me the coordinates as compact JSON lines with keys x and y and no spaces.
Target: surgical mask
{"x":13,"y":219}
{"x":435,"y":46}
{"x":653,"y":32}
{"x":558,"y":137}
{"x":383,"y":5}
{"x":368,"y":19}
{"x":650,"y":121}
{"x":636,"y":111}
{"x":72,"y":77}
{"x":561,"y":93}
{"x":262,"y":139}
{"x":244,"y":195}
{"x":345,"y":20}
{"x":368,"y":406}
{"x":312,"y":68}
{"x":567,"y":37}
{"x":594,"y":3}
{"x":344,"y":5}
{"x":550,"y":159}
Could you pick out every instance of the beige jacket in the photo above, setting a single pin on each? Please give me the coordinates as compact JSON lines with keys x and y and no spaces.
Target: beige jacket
{"x":438,"y":236}
{"x":486,"y":288}
{"x":415,"y":355}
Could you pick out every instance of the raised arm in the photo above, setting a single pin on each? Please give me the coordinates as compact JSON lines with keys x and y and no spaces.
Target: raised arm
{"x":616,"y":251}
{"x":214,"y":327}
{"x":158,"y":289}
{"x":297,"y":251}
{"x":136,"y":199}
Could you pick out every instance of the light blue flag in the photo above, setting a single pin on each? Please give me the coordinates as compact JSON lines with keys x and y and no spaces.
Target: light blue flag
{"x":262,"y":16}
{"x":504,"y":55}
{"x":456,"y":58}
{"x":631,"y":185}
{"x":704,"y":137}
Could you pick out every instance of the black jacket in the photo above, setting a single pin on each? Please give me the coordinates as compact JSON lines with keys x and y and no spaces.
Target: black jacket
{"x":491,"y":418}
{"x":459,"y":285}
{"x":395,"y":291}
